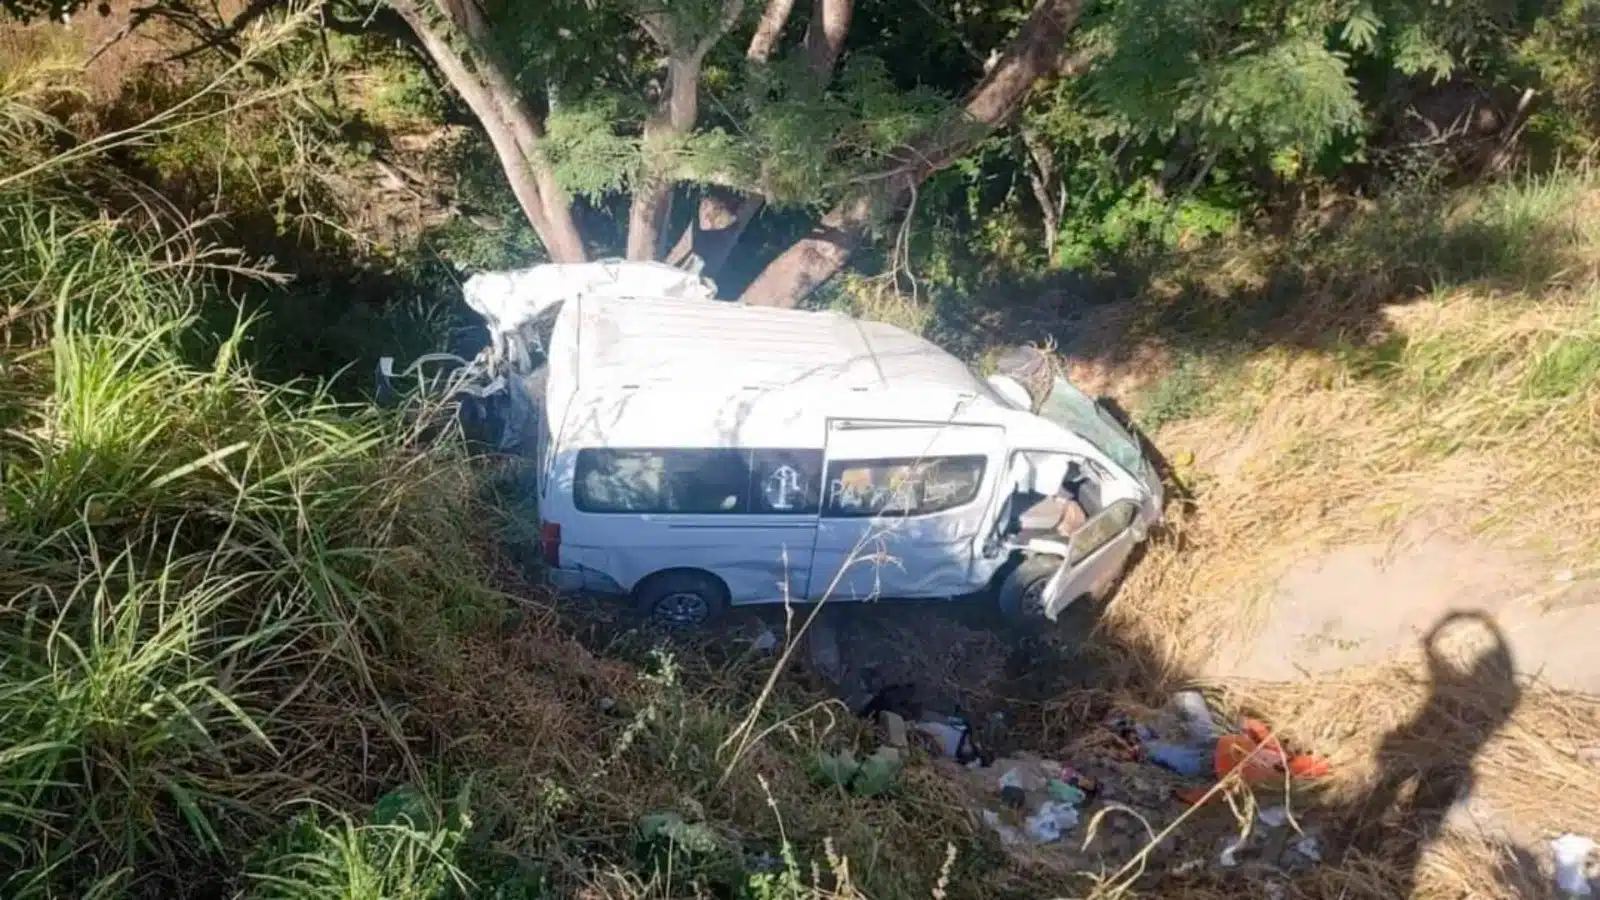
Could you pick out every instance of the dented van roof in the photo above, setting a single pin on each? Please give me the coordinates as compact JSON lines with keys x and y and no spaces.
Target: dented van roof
{"x":660,"y":342}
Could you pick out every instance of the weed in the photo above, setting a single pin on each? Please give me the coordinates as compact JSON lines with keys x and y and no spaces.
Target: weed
{"x":1188,"y":390}
{"x":1567,"y":369}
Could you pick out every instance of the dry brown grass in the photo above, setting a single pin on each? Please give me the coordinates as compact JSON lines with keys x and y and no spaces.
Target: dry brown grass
{"x":1475,"y":406}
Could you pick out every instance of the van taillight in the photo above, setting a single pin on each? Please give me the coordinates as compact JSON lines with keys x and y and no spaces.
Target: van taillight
{"x":550,"y":544}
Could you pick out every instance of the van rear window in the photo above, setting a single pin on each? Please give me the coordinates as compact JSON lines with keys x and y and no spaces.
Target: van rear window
{"x":699,"y":481}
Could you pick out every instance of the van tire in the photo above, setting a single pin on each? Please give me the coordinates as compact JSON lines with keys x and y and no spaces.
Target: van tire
{"x":1018,"y":593}
{"x":682,"y":599}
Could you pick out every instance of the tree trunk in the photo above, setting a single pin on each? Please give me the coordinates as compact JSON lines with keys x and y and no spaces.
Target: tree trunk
{"x":723,"y":215}
{"x":673,"y":121}
{"x":652,"y":197}
{"x":830,"y":22}
{"x":769,"y":29}
{"x":513,"y":130}
{"x":1042,"y":178}
{"x":1037,"y":50}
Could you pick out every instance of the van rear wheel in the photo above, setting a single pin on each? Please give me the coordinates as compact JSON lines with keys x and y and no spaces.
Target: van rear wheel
{"x":682,"y":599}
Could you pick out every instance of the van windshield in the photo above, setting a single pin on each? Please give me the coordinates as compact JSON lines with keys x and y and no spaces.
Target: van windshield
{"x":1073,"y":410}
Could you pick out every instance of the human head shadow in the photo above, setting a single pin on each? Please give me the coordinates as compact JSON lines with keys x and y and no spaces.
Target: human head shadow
{"x":1425,"y":765}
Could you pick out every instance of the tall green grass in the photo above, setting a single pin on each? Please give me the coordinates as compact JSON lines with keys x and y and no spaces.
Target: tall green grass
{"x":236,"y":612}
{"x":200,"y":573}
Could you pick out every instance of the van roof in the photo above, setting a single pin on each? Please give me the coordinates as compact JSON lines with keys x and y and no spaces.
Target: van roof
{"x":658,"y":342}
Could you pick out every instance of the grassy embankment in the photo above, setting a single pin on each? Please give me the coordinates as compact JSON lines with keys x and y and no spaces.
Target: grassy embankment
{"x":258,"y":640}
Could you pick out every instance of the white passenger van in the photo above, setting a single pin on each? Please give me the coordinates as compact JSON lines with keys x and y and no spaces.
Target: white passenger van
{"x":695,"y":454}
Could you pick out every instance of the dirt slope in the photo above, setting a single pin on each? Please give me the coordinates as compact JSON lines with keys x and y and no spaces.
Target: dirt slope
{"x":1367,"y":604}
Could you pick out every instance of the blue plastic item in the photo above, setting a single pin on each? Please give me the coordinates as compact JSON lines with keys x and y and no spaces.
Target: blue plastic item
{"x":1185,"y":759}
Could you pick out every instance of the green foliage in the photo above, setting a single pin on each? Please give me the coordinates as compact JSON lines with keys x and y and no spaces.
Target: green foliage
{"x":1294,"y":94}
{"x":184,"y":545}
{"x":1565,"y":369}
{"x":670,"y":828}
{"x":407,"y":851}
{"x":1186,"y":391}
{"x":1561,"y":51}
{"x":1247,"y":76}
{"x":591,"y":157}
{"x":787,"y":137}
{"x":1124,"y":219}
{"x":868,"y":777}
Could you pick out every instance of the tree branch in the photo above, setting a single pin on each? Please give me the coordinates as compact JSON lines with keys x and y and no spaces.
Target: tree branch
{"x":723,"y":215}
{"x":511,"y":126}
{"x":1036,"y":51}
{"x":676,"y":112}
{"x":1042,"y":178}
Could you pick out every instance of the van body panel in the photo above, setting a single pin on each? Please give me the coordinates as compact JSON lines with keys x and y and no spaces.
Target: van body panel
{"x":662,"y":375}
{"x":917,"y":540}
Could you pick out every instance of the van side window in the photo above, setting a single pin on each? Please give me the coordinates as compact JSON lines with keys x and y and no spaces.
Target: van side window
{"x":695,"y":481}
{"x":699,"y":481}
{"x":786,"y":482}
{"x":902,"y":487}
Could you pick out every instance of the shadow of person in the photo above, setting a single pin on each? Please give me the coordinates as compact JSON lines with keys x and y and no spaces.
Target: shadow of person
{"x":1425,"y":765}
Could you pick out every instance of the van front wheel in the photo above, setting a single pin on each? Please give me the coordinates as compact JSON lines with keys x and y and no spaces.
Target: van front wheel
{"x":1021,"y":592}
{"x":682,"y":599}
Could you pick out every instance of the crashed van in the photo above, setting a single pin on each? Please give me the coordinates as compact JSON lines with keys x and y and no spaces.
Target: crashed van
{"x":694,"y":454}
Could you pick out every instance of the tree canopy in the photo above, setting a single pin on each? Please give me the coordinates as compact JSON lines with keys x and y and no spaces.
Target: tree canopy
{"x":844,"y":107}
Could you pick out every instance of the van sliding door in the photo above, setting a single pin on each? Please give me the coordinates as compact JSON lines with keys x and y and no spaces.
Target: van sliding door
{"x":903,"y":508}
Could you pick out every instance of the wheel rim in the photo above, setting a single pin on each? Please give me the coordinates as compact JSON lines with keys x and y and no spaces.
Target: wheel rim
{"x":682,"y":609}
{"x":1033,"y":597}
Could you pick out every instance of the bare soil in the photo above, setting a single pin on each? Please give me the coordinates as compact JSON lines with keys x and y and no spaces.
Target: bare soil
{"x":1367,"y":604}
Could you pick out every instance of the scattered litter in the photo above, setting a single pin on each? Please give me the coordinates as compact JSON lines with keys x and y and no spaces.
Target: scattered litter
{"x":1572,"y":859}
{"x":1226,"y":858}
{"x":1035,"y":804}
{"x":1130,"y":735}
{"x":1063,"y":792}
{"x":950,"y":736}
{"x":1196,"y":716}
{"x":896,"y":728}
{"x":1565,"y":576}
{"x":766,"y":641}
{"x":1047,"y":825}
{"x":1274,"y":816}
{"x":1008,"y":835}
{"x":1013,"y":796}
{"x":1259,"y":758}
{"x":1275,"y":890}
{"x":1184,"y":759}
